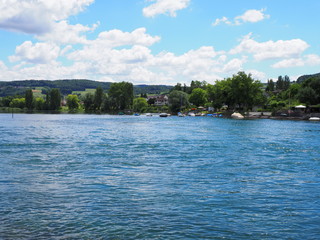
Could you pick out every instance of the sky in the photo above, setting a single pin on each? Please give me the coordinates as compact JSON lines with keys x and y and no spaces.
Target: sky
{"x":158,"y":41}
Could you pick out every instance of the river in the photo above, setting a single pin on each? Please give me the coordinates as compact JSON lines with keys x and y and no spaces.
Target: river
{"x":128,"y":177}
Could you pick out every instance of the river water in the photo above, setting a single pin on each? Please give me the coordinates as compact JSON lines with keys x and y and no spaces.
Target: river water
{"x":128,"y":177}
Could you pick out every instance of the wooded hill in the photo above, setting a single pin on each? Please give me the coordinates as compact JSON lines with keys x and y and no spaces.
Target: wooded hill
{"x":306,"y":77}
{"x":67,"y":86}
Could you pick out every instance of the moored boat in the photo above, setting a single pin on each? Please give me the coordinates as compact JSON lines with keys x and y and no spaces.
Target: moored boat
{"x":314,"y":119}
{"x":163,"y":115}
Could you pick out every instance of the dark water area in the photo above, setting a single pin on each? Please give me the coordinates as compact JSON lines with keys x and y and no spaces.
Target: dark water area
{"x":127,"y":177}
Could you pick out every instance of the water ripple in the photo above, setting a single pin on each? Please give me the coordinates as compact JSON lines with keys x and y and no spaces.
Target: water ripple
{"x":124,"y":177}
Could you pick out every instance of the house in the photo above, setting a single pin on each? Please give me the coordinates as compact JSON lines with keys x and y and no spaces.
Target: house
{"x":159,"y":100}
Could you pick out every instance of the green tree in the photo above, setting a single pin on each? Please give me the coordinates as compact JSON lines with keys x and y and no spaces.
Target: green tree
{"x":286,"y":82}
{"x":121,"y":95}
{"x":244,"y":92}
{"x":178,"y":100}
{"x":292,"y":91}
{"x":40,"y":103}
{"x":217,"y":93}
{"x":73,"y":102}
{"x":270,"y":86}
{"x":55,"y":99}
{"x":6,"y":101}
{"x":29,"y":99}
{"x":88,"y":103}
{"x":177,"y":87}
{"x":140,"y":104}
{"x":98,"y":98}
{"x":18,"y":103}
{"x":307,"y":95}
{"x":280,"y":83}
{"x":151,"y":101}
{"x":197,"y":84}
{"x":198,"y":97}
{"x":313,"y":83}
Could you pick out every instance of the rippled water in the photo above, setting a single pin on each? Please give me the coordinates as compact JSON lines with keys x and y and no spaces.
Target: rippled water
{"x":126,"y":177}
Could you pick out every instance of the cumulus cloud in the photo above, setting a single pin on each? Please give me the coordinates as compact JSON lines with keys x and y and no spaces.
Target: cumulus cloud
{"x":251,"y":16}
{"x":270,"y":49}
{"x":63,"y":33}
{"x":286,"y":63}
{"x":164,"y":7}
{"x":308,"y":60}
{"x":37,"y":16}
{"x":116,"y":38}
{"x":39,"y":53}
{"x":312,"y":60}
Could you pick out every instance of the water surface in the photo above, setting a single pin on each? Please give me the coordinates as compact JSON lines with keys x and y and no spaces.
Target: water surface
{"x":127,"y":177}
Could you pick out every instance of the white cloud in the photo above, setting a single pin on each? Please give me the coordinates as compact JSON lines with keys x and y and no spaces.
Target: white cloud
{"x":164,"y":7}
{"x":312,"y":60}
{"x":251,"y":16}
{"x":37,"y":16}
{"x":116,"y":38}
{"x":3,"y":67}
{"x":102,"y":48}
{"x":234,"y":65}
{"x":286,"y":63}
{"x":64,"y":33}
{"x":308,"y":60}
{"x":257,"y":74}
{"x":218,"y":21}
{"x":39,"y":53}
{"x":270,"y":49}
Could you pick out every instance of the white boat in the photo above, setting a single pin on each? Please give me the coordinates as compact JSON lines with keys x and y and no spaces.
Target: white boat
{"x":163,"y":115}
{"x":148,"y":114}
{"x":191,"y":114}
{"x":314,"y":119}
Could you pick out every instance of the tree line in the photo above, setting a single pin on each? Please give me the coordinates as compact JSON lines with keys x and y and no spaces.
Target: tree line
{"x":118,"y":97}
{"x":239,"y":92}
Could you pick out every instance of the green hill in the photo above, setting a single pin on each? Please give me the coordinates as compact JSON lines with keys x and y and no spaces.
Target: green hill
{"x":303,"y":78}
{"x":68,"y":86}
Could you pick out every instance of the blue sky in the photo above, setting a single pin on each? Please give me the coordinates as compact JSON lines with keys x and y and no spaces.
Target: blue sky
{"x":158,"y":41}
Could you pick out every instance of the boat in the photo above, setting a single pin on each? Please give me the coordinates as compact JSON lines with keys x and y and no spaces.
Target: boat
{"x":314,"y":119}
{"x":136,"y":114}
{"x":148,"y":114}
{"x":163,"y":115}
{"x":181,"y":114}
{"x":191,"y":114}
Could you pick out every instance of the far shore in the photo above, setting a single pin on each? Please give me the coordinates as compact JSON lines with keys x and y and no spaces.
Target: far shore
{"x":250,"y":116}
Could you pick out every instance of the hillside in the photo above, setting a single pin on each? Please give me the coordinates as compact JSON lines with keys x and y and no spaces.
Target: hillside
{"x":68,"y":86}
{"x":306,"y":77}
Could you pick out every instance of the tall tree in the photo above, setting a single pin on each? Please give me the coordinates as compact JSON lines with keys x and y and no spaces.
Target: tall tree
{"x":29,"y":99}
{"x":121,"y":95}
{"x":98,"y":98}
{"x":280,"y":83}
{"x":245,"y":91}
{"x":198,"y":97}
{"x":140,"y":104}
{"x":72,"y":102}
{"x":88,"y":103}
{"x":178,"y":100}
{"x":218,"y":93}
{"x":40,"y":103}
{"x":307,"y":95}
{"x":270,"y":86}
{"x":55,"y":99}
{"x":286,"y":82}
